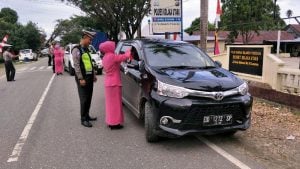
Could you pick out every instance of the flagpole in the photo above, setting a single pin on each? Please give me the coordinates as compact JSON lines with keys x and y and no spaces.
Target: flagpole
{"x":218,"y":15}
{"x":181,"y":20}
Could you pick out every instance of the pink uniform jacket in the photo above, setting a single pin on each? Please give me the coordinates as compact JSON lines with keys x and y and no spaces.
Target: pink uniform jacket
{"x":111,"y":63}
{"x":112,"y":82}
{"x":58,"y":58}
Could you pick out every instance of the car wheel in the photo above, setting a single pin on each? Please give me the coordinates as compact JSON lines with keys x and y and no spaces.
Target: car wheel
{"x":99,"y":71}
{"x":150,"y":123}
{"x":71,"y":70}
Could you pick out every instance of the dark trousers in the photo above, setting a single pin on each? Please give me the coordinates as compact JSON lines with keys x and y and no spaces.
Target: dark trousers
{"x":85,"y":97}
{"x":53,"y":64}
{"x":10,"y":70}
{"x":49,"y":60}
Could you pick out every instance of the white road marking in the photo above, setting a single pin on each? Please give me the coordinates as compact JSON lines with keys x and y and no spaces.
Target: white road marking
{"x":42,"y":67}
{"x":223,"y":153}
{"x":22,"y":69}
{"x":49,"y":67}
{"x":22,"y":139}
{"x":32,"y":68}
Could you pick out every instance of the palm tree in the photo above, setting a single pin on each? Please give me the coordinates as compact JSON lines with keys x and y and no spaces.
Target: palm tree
{"x":204,"y":23}
{"x":289,"y":13}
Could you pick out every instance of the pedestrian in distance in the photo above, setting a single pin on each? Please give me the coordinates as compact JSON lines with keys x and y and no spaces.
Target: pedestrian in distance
{"x":9,"y":66}
{"x":51,"y":51}
{"x":58,"y":58}
{"x":113,"y":85}
{"x":84,"y":76}
{"x":49,"y":57}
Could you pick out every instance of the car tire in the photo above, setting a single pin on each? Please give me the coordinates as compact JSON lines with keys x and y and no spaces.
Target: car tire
{"x":150,"y":123}
{"x":99,"y":71}
{"x":228,"y":133}
{"x":71,"y":70}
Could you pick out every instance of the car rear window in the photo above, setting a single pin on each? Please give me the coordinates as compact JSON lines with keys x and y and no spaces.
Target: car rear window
{"x":169,"y":55}
{"x":25,"y":51}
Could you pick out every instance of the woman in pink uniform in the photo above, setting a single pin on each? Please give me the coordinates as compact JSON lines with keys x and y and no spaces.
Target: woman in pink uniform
{"x":113,"y":85}
{"x":58,"y":58}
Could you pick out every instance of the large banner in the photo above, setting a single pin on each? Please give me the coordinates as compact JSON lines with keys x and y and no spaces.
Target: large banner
{"x":246,"y":60}
{"x":166,"y":16}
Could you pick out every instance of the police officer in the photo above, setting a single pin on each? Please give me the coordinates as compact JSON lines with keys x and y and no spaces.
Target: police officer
{"x":51,"y":51}
{"x":84,"y":76}
{"x":9,"y":67}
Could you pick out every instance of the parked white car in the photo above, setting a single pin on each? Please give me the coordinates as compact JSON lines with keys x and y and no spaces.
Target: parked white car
{"x":45,"y":52}
{"x":69,"y":64}
{"x":27,"y":54}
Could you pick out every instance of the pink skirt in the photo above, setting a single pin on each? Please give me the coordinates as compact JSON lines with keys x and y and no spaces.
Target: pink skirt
{"x":58,"y":65}
{"x":113,"y":105}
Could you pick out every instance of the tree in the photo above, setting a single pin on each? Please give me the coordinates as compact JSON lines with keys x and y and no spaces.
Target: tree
{"x":247,"y":17}
{"x":8,"y":15}
{"x":20,"y":36}
{"x":195,"y":26}
{"x":116,"y":15}
{"x":69,"y":30}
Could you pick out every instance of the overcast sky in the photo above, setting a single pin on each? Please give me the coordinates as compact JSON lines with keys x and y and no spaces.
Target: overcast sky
{"x":46,"y":12}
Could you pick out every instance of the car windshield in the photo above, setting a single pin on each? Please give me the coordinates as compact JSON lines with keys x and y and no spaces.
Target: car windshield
{"x":164,"y":55}
{"x":25,"y":51}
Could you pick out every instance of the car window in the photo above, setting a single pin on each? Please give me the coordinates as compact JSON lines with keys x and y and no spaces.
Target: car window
{"x":169,"y":55}
{"x":25,"y":51}
{"x":68,"y":49}
{"x":124,"y":48}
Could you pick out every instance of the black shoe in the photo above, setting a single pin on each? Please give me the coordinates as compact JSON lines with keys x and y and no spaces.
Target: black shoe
{"x":115,"y":127}
{"x":86,"y":124}
{"x":92,"y":118}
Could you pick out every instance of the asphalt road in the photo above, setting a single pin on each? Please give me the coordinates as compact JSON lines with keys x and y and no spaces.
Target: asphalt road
{"x":54,"y":137}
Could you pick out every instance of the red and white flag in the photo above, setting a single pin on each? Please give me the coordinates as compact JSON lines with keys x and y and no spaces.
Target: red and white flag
{"x":4,"y":41}
{"x":218,"y":16}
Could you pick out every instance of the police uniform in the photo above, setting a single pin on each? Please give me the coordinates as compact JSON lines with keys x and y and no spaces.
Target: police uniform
{"x":9,"y":67}
{"x":84,"y":70}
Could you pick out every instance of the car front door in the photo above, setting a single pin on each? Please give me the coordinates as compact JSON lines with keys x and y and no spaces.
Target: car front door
{"x":131,"y":81}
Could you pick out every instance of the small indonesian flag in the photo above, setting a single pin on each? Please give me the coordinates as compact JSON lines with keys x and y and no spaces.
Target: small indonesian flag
{"x":4,"y":41}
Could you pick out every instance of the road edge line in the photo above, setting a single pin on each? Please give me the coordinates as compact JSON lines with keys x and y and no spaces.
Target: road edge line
{"x":23,"y":137}
{"x":223,"y":153}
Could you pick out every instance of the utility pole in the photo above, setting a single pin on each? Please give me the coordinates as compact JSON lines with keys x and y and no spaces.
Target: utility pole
{"x":203,"y":24}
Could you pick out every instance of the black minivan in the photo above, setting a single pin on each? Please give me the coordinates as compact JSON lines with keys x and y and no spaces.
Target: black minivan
{"x":177,"y":89}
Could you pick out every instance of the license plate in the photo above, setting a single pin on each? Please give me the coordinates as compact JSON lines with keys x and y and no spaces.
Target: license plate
{"x":215,"y":120}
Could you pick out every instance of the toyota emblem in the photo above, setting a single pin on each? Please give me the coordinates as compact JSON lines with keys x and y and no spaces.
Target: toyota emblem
{"x":219,"y":96}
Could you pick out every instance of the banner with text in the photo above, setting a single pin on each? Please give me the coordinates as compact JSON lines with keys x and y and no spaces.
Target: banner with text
{"x":246,"y":60}
{"x":166,"y":16}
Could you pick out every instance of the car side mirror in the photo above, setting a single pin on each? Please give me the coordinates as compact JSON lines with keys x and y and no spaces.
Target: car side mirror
{"x":218,"y":63}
